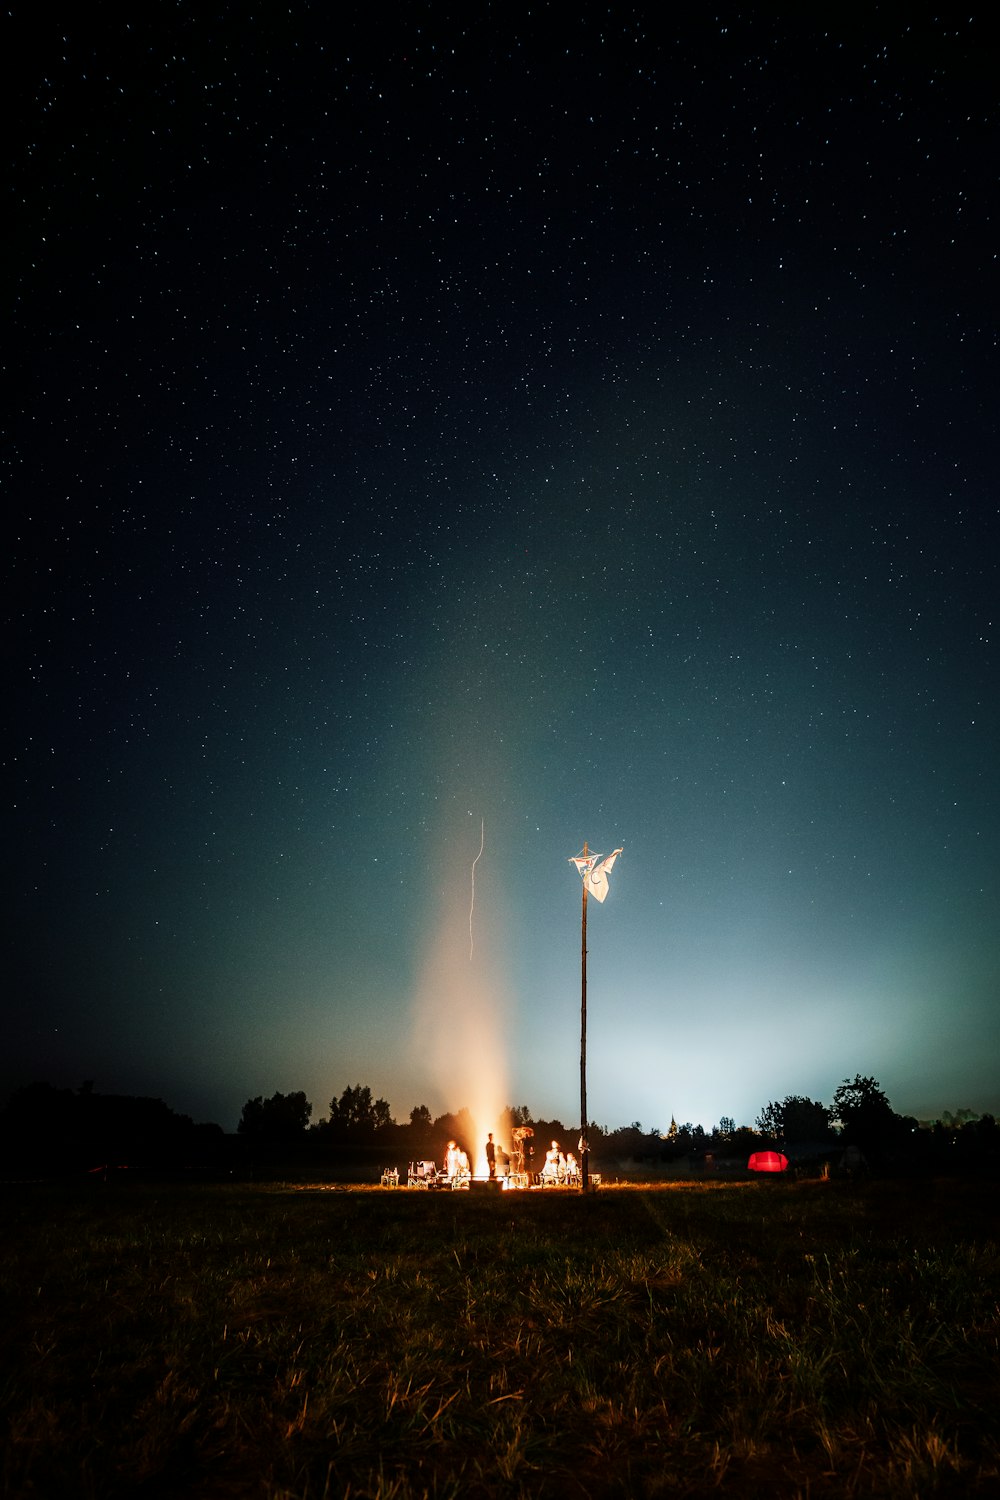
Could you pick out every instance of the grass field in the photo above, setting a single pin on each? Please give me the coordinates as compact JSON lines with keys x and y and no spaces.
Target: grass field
{"x":751,"y":1339}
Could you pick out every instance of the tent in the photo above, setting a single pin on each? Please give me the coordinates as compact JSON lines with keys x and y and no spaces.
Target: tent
{"x":768,"y":1161}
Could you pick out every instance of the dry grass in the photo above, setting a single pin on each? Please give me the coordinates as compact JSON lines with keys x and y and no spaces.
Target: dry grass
{"x":753,"y":1339}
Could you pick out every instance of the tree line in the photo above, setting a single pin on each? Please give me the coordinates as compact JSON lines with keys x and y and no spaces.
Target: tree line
{"x":859,"y":1116}
{"x":51,"y":1129}
{"x":54,"y":1130}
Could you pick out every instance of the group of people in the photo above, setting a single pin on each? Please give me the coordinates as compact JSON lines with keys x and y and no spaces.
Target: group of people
{"x":496,"y":1155}
{"x":559,"y":1167}
{"x":456,"y":1162}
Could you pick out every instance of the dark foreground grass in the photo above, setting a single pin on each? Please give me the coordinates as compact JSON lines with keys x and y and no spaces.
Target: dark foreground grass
{"x":756,"y":1339}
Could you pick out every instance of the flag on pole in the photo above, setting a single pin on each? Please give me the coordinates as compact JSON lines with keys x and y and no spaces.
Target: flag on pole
{"x":594,"y":872}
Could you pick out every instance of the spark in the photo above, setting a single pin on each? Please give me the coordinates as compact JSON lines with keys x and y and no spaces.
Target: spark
{"x":472,"y":906}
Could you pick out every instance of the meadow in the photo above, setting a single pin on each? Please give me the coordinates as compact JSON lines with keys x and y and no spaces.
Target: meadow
{"x":762,"y":1338}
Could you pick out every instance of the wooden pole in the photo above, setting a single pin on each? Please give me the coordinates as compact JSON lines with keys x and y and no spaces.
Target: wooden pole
{"x":584,"y":1142}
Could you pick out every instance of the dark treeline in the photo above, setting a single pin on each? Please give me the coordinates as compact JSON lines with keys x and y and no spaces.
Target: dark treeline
{"x":859,"y":1123}
{"x":45,"y":1130}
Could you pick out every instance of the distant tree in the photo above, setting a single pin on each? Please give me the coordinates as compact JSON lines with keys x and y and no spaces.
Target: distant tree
{"x":31,"y":1107}
{"x":252,"y":1118}
{"x":357,"y":1116}
{"x":959,"y":1118}
{"x":64,"y":1130}
{"x":415,"y":1140}
{"x":547,"y":1131}
{"x":857,"y":1097}
{"x":795,"y":1119}
{"x":680,"y":1141}
{"x":675,"y":1145}
{"x":632,"y":1141}
{"x":806,"y":1119}
{"x":40,"y":1126}
{"x":726,"y":1128}
{"x":743,"y":1141}
{"x":984,"y":1142}
{"x":278,"y":1121}
{"x":865,"y":1114}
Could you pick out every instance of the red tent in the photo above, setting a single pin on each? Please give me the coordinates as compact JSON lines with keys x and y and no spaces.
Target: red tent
{"x":768,"y":1161}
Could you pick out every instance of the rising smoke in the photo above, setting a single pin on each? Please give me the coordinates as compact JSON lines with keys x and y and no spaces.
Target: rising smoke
{"x":462,"y":1012}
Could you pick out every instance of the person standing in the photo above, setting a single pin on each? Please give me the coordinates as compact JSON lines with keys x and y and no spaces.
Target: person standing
{"x":491,"y":1156}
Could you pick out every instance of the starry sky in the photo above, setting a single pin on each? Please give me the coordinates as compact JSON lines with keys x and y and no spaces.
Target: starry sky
{"x":437,"y":428}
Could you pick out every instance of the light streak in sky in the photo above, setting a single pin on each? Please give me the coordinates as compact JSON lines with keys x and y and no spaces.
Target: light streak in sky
{"x":472,"y":906}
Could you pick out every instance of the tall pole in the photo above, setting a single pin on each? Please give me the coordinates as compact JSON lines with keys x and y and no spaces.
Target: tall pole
{"x":584,"y":1142}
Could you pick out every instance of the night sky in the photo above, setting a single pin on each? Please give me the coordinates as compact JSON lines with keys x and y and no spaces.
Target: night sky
{"x":436,"y":427}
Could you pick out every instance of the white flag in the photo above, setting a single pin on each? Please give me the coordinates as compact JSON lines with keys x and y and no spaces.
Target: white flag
{"x":597,"y":879}
{"x":594,"y":872}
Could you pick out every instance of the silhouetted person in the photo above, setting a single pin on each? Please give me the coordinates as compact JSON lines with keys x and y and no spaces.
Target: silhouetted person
{"x":491,"y":1156}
